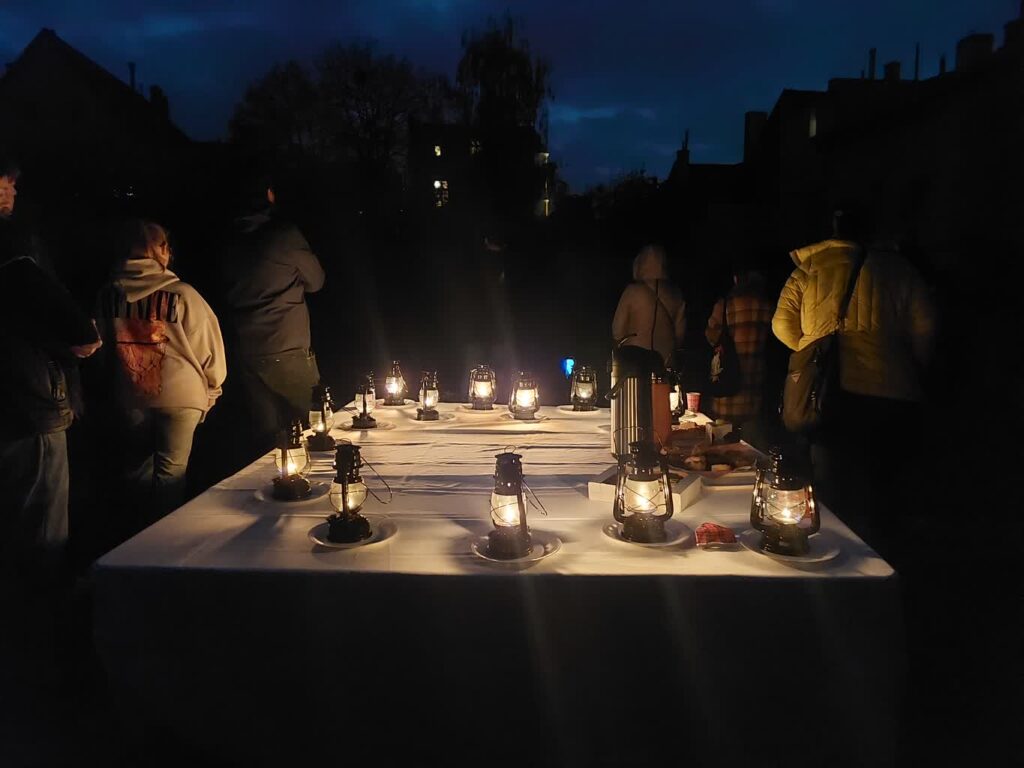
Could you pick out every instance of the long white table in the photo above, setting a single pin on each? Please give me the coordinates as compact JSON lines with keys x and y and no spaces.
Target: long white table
{"x":226,"y":624}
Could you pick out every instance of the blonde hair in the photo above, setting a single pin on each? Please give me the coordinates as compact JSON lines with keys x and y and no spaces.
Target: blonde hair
{"x":145,"y":240}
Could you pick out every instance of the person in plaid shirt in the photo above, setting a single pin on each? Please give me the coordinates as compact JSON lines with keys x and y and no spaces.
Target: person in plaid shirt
{"x":750,"y":325}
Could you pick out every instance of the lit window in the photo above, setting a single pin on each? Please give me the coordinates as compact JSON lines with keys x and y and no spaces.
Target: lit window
{"x":440,"y":193}
{"x":474,"y":146}
{"x":812,"y":124}
{"x":437,"y":150}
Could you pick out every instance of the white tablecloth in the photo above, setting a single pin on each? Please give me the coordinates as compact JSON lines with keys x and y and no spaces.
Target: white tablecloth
{"x":225,"y":621}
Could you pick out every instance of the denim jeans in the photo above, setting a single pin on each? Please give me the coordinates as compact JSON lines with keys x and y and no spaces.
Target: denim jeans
{"x":159,"y":445}
{"x":34,"y":504}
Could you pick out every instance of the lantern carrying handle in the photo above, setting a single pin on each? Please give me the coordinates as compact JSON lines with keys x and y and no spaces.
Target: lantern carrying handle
{"x":391,"y":494}
{"x":535,"y":502}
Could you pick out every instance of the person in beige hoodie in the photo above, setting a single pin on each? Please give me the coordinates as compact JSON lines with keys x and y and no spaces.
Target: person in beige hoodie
{"x":651,"y":311}
{"x":169,"y":365}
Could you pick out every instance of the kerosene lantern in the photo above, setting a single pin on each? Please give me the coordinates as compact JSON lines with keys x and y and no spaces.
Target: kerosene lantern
{"x":511,"y":536}
{"x":429,"y":397}
{"x":292,"y":460}
{"x":483,"y":386}
{"x":365,"y":402}
{"x":524,"y":401}
{"x":783,"y":507}
{"x":643,"y":494}
{"x":394,"y":386}
{"x":321,"y":419}
{"x":347,"y":495}
{"x":584,"y":389}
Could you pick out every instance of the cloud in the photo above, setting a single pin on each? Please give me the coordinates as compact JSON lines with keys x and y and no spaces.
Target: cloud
{"x":161,"y":25}
{"x":567,"y":113}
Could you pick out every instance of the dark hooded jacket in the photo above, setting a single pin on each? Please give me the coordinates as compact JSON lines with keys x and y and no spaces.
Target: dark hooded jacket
{"x":267,"y":270}
{"x":39,"y":322}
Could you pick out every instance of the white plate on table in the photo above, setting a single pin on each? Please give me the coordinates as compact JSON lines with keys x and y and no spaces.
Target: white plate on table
{"x":675,"y":533}
{"x":384,"y":425}
{"x":381,"y":529}
{"x":406,"y":404}
{"x":497,"y":410}
{"x":319,"y":490}
{"x":822,"y":549}
{"x":326,"y":451}
{"x":441,"y":417}
{"x":567,"y":410}
{"x":507,"y":416}
{"x":544,"y":543}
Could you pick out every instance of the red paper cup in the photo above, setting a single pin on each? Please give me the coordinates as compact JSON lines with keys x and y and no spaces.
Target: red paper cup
{"x":693,"y":402}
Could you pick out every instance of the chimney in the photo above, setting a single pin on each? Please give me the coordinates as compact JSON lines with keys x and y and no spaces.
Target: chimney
{"x":917,"y":62}
{"x":942,"y":64}
{"x":131,"y":74}
{"x":973,"y":51}
{"x":872,"y":54}
{"x":892,"y":72}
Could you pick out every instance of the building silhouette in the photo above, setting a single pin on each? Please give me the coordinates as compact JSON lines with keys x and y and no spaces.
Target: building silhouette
{"x":935,"y":162}
{"x":79,"y":124}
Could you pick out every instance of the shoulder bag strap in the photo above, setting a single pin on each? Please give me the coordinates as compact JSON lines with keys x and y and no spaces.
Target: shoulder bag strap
{"x":851,"y":285}
{"x":658,"y":304}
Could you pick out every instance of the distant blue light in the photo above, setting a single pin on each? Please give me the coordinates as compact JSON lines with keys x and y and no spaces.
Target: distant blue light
{"x":567,"y":365}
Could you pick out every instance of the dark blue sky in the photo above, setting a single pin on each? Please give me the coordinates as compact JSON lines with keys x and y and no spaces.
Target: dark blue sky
{"x":629,"y":76}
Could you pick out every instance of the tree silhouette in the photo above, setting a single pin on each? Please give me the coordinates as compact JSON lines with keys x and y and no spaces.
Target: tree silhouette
{"x":367,"y":101}
{"x":501,"y":83}
{"x":278,"y":114}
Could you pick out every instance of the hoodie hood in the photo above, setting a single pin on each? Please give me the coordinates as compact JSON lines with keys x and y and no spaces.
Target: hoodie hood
{"x":649,"y":264}
{"x":138,"y":278}
{"x":801,"y":255}
{"x":252,"y":221}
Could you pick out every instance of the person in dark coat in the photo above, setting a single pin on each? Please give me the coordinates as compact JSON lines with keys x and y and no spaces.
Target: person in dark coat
{"x":42,"y":332}
{"x":267,"y":271}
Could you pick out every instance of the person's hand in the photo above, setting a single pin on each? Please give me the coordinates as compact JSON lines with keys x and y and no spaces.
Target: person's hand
{"x":86,"y":350}
{"x":83,"y":351}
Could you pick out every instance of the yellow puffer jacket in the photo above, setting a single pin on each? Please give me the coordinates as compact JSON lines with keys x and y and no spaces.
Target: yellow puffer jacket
{"x":889,"y":327}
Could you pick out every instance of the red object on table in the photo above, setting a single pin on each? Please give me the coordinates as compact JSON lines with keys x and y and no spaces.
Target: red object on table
{"x":713,"y":533}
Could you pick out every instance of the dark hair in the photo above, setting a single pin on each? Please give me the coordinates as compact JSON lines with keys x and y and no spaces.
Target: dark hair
{"x":9,"y":165}
{"x":849,"y":222}
{"x":744,"y":266}
{"x":253,"y":186}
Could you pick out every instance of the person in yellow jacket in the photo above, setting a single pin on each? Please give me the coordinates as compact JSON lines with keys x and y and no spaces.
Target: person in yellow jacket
{"x":884,"y":346}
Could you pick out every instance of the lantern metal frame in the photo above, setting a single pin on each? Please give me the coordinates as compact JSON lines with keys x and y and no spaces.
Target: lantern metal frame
{"x":482,"y":373}
{"x":321,"y":440}
{"x":347,"y":525}
{"x":428,"y":411}
{"x":525,"y":382}
{"x":585,"y":374}
{"x":508,"y":542}
{"x":396,"y":398}
{"x":365,"y":402}
{"x":291,"y":486}
{"x":643,"y":464}
{"x":776,"y":537}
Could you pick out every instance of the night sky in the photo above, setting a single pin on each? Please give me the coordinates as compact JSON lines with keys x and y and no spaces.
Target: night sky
{"x":628,"y":76}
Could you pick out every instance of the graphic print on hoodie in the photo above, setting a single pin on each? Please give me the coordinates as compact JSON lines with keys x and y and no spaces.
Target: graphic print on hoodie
{"x":163,"y":338}
{"x":141,"y":336}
